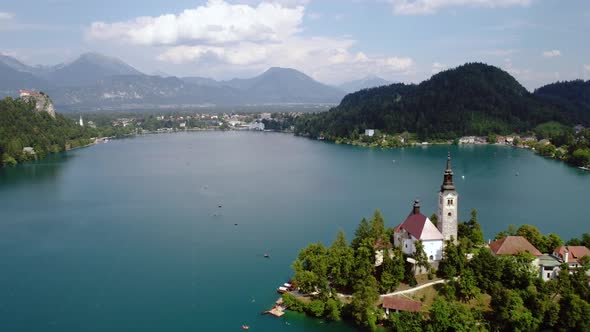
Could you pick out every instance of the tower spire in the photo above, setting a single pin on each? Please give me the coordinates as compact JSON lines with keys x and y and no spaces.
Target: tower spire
{"x":449,"y":161}
{"x":448,"y":176}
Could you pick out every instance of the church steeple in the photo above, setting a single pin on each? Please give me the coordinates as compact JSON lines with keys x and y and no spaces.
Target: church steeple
{"x":448,"y":177}
{"x":448,"y":205}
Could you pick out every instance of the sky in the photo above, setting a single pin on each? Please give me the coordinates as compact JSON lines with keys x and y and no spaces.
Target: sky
{"x":334,"y":41}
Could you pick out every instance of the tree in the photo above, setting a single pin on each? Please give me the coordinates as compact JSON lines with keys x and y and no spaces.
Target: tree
{"x":362,"y":232}
{"x":552,"y":241}
{"x":451,"y":316}
{"x":517,"y":270}
{"x":581,"y":157}
{"x":534,"y":236}
{"x":486,"y":269}
{"x":364,"y":261}
{"x":510,"y":231}
{"x":406,"y":321}
{"x":434,"y":219}
{"x":316,"y":308}
{"x":363,"y":302}
{"x":392,"y":270}
{"x":340,"y":261}
{"x":453,"y":261}
{"x":377,"y":226}
{"x":546,"y":150}
{"x":574,"y":313}
{"x":471,"y":231}
{"x":420,"y":256}
{"x":333,"y":309}
{"x":467,"y":286}
{"x":509,"y":311}
{"x":311,"y":268}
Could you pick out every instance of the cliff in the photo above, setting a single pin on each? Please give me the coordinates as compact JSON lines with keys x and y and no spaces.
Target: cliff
{"x":41,"y":100}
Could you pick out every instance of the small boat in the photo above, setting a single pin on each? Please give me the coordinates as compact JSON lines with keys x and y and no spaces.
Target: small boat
{"x":266,"y":255}
{"x":282,"y":290}
{"x":245,"y":327}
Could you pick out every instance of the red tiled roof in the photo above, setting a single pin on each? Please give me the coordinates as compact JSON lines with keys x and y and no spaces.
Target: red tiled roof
{"x":396,"y":303}
{"x":420,"y":227}
{"x":575,"y":252}
{"x":512,"y":245}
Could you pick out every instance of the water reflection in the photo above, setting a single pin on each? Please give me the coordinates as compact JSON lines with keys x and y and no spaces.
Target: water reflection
{"x":35,"y":172}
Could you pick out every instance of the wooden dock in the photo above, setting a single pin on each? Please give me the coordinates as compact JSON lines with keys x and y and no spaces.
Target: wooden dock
{"x":277,"y":310}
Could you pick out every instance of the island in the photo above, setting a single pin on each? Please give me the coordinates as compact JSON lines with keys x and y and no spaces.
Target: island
{"x":437,"y":274}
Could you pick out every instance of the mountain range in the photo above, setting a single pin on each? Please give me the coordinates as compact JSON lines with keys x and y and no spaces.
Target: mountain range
{"x":368,"y":82}
{"x":95,"y":81}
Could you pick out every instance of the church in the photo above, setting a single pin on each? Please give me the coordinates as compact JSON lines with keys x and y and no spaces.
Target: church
{"x":418,"y":227}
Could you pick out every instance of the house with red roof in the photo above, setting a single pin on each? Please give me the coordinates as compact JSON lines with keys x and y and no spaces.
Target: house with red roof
{"x":417,"y":227}
{"x":512,"y":245}
{"x":397,"y":304}
{"x":571,"y":255}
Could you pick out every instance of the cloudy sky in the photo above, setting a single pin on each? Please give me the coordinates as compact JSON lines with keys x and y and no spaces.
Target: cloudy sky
{"x":538,"y":41}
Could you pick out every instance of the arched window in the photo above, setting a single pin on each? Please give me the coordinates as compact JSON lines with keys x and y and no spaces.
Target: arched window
{"x":449,"y":214}
{"x":431,"y":258}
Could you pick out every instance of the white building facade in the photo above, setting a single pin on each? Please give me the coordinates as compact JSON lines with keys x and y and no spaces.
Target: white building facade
{"x":448,"y":205}
{"x":417,"y":227}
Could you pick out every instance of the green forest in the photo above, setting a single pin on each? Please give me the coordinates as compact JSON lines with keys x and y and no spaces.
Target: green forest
{"x":472,"y":99}
{"x":484,"y":293}
{"x":21,"y":126}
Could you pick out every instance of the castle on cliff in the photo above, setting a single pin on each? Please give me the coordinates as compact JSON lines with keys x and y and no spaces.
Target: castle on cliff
{"x":41,"y":100}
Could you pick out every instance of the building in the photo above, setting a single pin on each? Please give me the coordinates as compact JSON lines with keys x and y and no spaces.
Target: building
{"x":448,"y":205}
{"x":512,"y":245}
{"x":571,"y":255}
{"x":256,"y":126}
{"x":467,"y":140}
{"x":417,"y":227}
{"x":369,"y":132}
{"x":42,"y":101}
{"x":397,"y":304}
{"x":548,"y":267}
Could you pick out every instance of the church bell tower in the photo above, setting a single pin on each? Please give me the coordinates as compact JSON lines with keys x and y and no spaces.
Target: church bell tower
{"x":448,"y":205}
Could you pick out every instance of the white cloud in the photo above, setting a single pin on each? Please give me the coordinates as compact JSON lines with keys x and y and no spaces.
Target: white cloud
{"x":6,"y":16}
{"x":220,"y":37}
{"x":552,"y":53}
{"x":438,"y":67}
{"x":423,"y":7}
{"x":217,"y":22}
{"x":314,"y":16}
{"x":326,"y":59}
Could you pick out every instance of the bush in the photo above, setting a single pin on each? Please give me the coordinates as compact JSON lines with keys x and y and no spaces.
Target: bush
{"x":8,"y":160}
{"x":293,"y":303}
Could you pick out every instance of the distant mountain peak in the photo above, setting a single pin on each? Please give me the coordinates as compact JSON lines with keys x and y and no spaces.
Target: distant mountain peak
{"x":369,"y":81}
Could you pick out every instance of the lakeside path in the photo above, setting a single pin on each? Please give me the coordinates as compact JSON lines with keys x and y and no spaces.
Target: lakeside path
{"x":405,"y":291}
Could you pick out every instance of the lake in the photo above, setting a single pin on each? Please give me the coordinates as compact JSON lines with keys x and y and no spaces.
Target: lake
{"x":168,"y":232}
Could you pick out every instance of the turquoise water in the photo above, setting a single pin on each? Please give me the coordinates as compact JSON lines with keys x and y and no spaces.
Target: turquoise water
{"x":128,"y":236}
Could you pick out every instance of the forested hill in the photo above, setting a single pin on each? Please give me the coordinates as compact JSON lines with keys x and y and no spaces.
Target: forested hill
{"x":21,"y":126}
{"x":472,"y":99}
{"x":573,"y":97}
